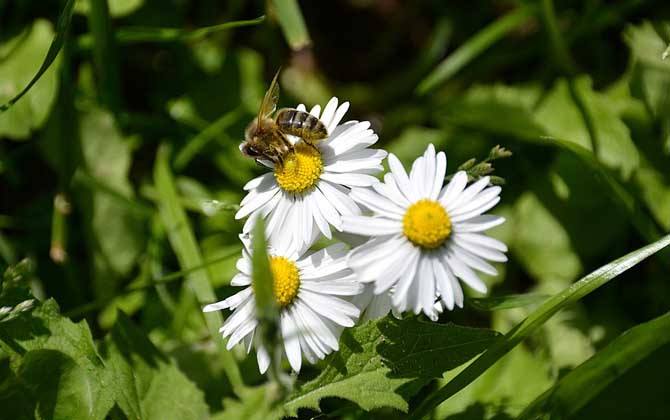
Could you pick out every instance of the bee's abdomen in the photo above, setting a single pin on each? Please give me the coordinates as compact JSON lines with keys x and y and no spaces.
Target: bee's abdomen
{"x":301,"y":124}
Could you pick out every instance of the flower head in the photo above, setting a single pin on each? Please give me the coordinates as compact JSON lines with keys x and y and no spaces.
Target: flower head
{"x":309,"y":192}
{"x":307,"y":290}
{"x":424,"y":236}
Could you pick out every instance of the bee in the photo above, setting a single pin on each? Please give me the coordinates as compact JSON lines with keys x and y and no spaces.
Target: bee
{"x":265,"y":137}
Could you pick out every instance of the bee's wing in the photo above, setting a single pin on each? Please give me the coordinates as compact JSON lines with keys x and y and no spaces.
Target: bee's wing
{"x":270,"y":99}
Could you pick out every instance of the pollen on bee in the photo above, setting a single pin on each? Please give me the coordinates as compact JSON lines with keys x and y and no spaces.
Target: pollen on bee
{"x":300,"y":170}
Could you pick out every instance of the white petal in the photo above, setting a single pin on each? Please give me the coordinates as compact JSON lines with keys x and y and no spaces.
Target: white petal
{"x":454,"y":188}
{"x":232,"y":302}
{"x":350,"y":179}
{"x":402,"y":287}
{"x":341,"y":110}
{"x":479,"y":239}
{"x":339,"y":198}
{"x":479,"y":223}
{"x":315,"y":111}
{"x":263,"y":182}
{"x":401,"y":179}
{"x":243,"y":314}
{"x":263,"y":359}
{"x":373,"y":226}
{"x":465,"y":273}
{"x":291,"y":341}
{"x":240,"y":279}
{"x":440,"y":171}
{"x":243,"y":331}
{"x":426,"y":281}
{"x":390,"y":190}
{"x":306,"y":332}
{"x":319,"y":219}
{"x":329,"y":112}
{"x":377,"y":203}
{"x":468,"y":193}
{"x":327,"y":210}
{"x":479,"y":200}
{"x":473,"y":261}
{"x":476,"y":212}
{"x":443,"y":283}
{"x":321,"y":330}
{"x":258,"y":200}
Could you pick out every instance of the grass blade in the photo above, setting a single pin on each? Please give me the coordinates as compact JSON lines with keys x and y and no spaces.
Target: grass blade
{"x":292,"y":23}
{"x":188,"y":253}
{"x":496,"y":303}
{"x":104,"y":55}
{"x":61,"y":32}
{"x":534,"y":321}
{"x":134,"y":35}
{"x":473,"y":48}
{"x":577,"y":388}
{"x":194,"y":145}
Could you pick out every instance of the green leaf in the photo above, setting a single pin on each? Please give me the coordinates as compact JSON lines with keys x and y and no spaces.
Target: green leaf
{"x":67,"y":351}
{"x":59,"y":387}
{"x":496,"y":303}
{"x":147,"y":384}
{"x":383,"y":363}
{"x":535,"y":320}
{"x":561,"y":118}
{"x":188,"y":253}
{"x":474,"y":47}
{"x":61,"y":31}
{"x":577,"y":388}
{"x":255,"y":404}
{"x":292,"y":23}
{"x":17,"y":120}
{"x":261,"y":275}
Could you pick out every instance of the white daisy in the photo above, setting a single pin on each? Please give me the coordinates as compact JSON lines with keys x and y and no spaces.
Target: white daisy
{"x":307,"y":290}
{"x":309,"y":193}
{"x":425,"y":237}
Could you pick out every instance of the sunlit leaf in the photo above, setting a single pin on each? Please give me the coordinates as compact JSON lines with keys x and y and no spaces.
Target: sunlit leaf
{"x":383,"y":363}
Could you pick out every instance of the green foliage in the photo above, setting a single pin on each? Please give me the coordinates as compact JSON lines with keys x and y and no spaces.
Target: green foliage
{"x":586,"y":381}
{"x":17,"y":121}
{"x":384,"y":363}
{"x":147,"y":384}
{"x":118,"y":200}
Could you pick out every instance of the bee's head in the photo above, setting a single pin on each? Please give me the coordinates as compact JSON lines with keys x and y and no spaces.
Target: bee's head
{"x":251,"y":151}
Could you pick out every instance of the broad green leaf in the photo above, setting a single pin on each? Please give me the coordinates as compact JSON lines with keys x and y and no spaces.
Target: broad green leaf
{"x":560,"y":117}
{"x":147,"y":385}
{"x":547,"y":261}
{"x":292,"y":23}
{"x":68,"y":350}
{"x":188,"y":253}
{"x":496,"y":303}
{"x":59,"y":387}
{"x":15,"y":295}
{"x":578,"y":387}
{"x":383,"y":363}
{"x":474,"y":47}
{"x":22,"y":57}
{"x":534,"y":321}
{"x":116,"y":227}
{"x":19,"y":68}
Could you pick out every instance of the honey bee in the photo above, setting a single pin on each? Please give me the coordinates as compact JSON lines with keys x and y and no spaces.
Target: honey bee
{"x":265,"y":137}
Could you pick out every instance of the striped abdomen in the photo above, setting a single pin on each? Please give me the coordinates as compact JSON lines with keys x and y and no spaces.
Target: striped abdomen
{"x":301,"y":124}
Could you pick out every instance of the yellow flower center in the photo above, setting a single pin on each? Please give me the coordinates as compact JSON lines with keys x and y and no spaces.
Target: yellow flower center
{"x":301,"y":169}
{"x":286,"y":280}
{"x":426,"y":224}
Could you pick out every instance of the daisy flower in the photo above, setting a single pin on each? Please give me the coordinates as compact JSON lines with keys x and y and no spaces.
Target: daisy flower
{"x":424,"y":238}
{"x":307,"y":289}
{"x":309,"y":193}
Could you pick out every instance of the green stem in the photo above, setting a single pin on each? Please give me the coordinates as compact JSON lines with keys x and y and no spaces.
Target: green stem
{"x":473,"y":47}
{"x":104,"y":55}
{"x":159,"y":281}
